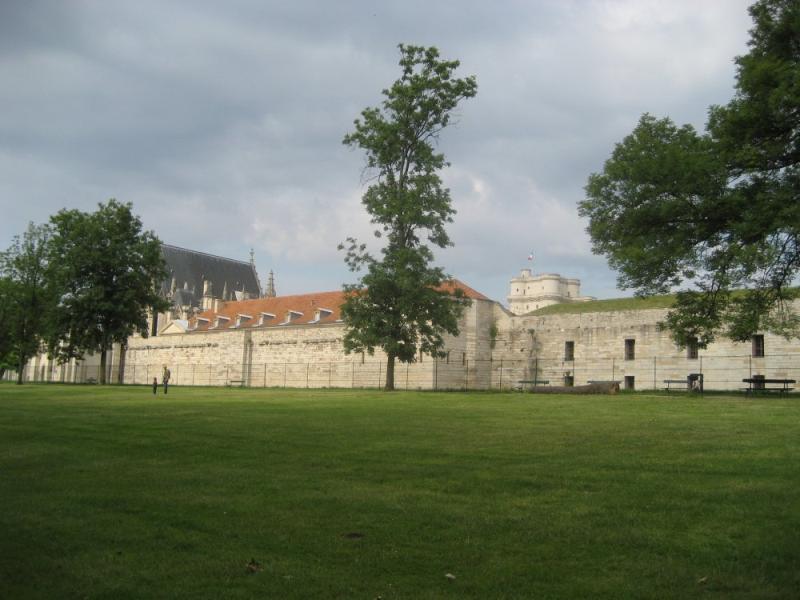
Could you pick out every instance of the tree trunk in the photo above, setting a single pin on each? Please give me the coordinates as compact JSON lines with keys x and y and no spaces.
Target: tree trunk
{"x":20,"y":369}
{"x":390,"y":373}
{"x":103,"y":358}
{"x":123,"y":348}
{"x":2,"y":372}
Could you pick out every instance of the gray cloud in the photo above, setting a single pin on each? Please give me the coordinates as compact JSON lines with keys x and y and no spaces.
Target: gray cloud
{"x":222,"y":122}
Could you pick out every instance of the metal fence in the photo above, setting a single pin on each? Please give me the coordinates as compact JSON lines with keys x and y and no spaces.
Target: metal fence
{"x":648,"y":373}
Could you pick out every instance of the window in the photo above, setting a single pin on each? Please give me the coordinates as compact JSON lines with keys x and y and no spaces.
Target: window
{"x":569,"y":350}
{"x":292,"y":315}
{"x":758,"y":345}
{"x":630,"y":349}
{"x":220,"y":321}
{"x":691,"y":348}
{"x":241,"y":319}
{"x":629,"y":382}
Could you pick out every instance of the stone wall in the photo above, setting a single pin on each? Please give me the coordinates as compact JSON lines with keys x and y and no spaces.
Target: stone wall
{"x":292,"y":356}
{"x":535,"y":347}
{"x":495,"y":350}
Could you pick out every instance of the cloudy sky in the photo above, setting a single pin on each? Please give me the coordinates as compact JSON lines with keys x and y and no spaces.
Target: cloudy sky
{"x":222,"y":121}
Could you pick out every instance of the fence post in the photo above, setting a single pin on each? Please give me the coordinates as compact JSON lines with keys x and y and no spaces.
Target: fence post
{"x":352,"y":374}
{"x":655,"y":387}
{"x":466,"y":374}
{"x":613,"y":370}
{"x":407,"y":365}
{"x":308,"y":365}
{"x":435,"y":373}
{"x":501,"y":374}
{"x":703,"y":386}
{"x":380,"y":366}
{"x":265,"y":374}
{"x":284,"y":374}
{"x":330,"y":369}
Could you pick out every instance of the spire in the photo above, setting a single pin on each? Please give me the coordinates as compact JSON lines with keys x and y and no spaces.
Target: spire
{"x":208,"y":299}
{"x":270,"y":293}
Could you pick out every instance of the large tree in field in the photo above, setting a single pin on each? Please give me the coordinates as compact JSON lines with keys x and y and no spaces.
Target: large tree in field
{"x":107,"y":272}
{"x":8,"y":359}
{"x":399,"y":304}
{"x":26,"y":299}
{"x":715,"y":215}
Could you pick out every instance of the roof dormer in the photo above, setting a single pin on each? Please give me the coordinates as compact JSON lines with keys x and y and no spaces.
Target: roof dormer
{"x":220,"y":321}
{"x":265,"y":317}
{"x":320,"y":314}
{"x":200,"y":321}
{"x":291,"y":316}
{"x":241,"y":319}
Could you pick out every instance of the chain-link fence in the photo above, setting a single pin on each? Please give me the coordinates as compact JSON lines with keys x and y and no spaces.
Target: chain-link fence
{"x":651,"y":373}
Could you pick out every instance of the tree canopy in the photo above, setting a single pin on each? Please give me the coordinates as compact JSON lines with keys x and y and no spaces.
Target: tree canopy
{"x":107,"y":271}
{"x":26,"y":298}
{"x":399,"y":305}
{"x":715,"y":215}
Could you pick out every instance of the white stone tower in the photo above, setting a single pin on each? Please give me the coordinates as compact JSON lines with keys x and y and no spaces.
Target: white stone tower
{"x":530,"y":292}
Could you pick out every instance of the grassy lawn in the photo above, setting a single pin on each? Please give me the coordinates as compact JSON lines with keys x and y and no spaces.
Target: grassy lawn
{"x":115,"y":493}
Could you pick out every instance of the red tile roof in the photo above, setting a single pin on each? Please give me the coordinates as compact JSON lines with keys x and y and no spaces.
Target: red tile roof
{"x":306,"y":309}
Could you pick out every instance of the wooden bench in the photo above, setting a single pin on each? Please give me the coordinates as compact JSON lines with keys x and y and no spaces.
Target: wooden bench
{"x":673,"y":382}
{"x":236,"y":382}
{"x":757,"y":385}
{"x":532,"y":382}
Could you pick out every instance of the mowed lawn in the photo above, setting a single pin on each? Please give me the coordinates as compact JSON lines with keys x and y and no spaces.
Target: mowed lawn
{"x":229,"y":493}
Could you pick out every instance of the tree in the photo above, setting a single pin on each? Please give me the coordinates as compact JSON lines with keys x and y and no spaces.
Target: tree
{"x":715,"y":215}
{"x":8,"y":359}
{"x":400,"y":304}
{"x":107,"y":271}
{"x":26,"y":300}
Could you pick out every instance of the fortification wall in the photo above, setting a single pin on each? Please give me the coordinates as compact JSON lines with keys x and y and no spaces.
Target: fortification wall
{"x":630,"y":344}
{"x":293,"y":356}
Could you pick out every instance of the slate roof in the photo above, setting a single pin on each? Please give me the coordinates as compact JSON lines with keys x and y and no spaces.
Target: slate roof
{"x":319,"y":308}
{"x":191,"y":268}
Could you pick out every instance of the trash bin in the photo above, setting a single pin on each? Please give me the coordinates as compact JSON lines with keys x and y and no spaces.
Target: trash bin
{"x":758,"y":382}
{"x":695,"y":382}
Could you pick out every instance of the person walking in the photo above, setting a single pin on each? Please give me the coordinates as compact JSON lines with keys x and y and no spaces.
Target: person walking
{"x":165,"y":378}
{"x":155,"y":385}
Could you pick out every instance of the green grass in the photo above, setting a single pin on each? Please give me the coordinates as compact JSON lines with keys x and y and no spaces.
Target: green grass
{"x":112,"y":493}
{"x":611,"y":305}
